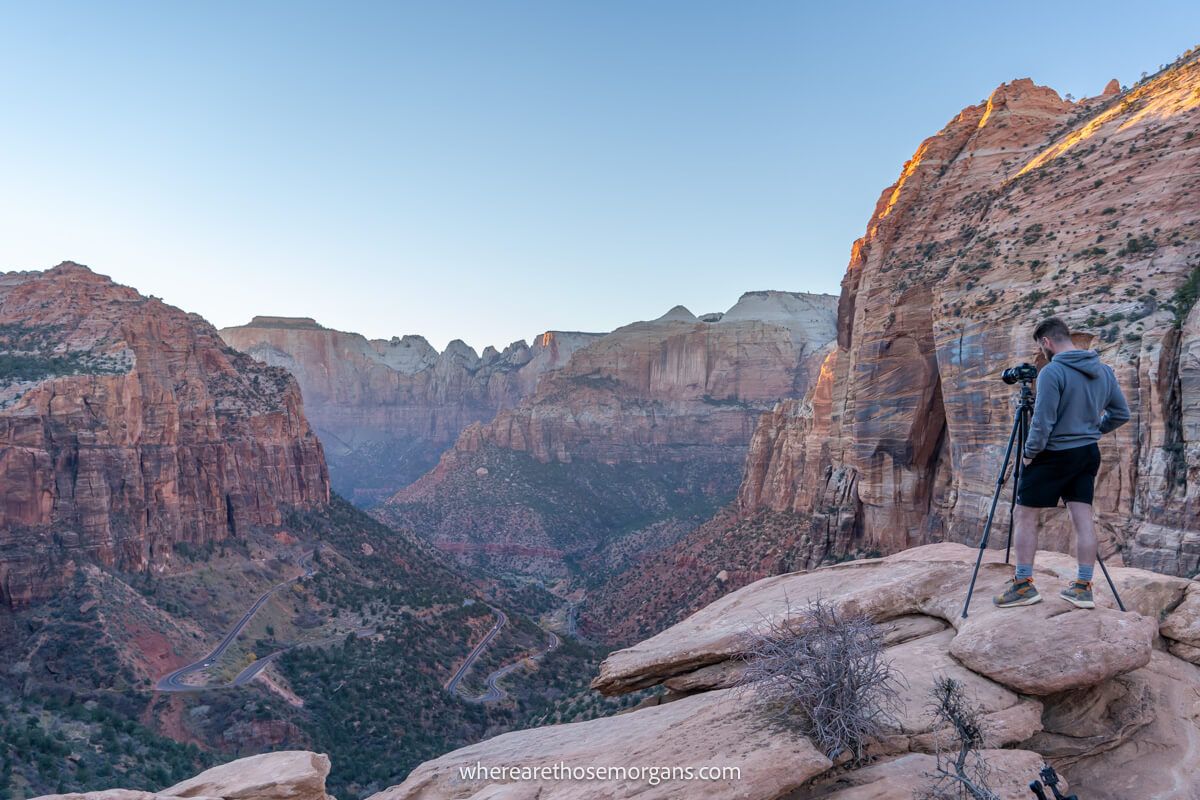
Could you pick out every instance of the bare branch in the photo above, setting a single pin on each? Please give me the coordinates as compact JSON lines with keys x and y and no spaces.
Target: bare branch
{"x":823,"y":671}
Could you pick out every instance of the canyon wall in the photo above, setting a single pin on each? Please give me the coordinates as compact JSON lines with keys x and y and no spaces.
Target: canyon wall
{"x":1023,"y":206}
{"x":386,"y":409}
{"x":127,"y":427}
{"x":646,"y":423}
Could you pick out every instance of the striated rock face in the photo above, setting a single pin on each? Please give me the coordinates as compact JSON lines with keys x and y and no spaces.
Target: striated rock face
{"x":648,"y":419}
{"x":127,"y":427}
{"x":386,"y":409}
{"x":1024,"y":206}
{"x":650,"y":390}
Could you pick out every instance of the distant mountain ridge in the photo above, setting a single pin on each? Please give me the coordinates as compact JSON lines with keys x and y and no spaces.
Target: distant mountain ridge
{"x":386,"y":408}
{"x":642,"y":431}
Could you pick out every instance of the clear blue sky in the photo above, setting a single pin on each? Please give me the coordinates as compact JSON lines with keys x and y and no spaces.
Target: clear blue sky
{"x":488,"y":170}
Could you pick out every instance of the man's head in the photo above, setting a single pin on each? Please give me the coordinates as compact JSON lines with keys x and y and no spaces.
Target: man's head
{"x":1053,"y":336}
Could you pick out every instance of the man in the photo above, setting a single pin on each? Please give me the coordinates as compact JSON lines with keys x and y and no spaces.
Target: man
{"x":1078,"y":399}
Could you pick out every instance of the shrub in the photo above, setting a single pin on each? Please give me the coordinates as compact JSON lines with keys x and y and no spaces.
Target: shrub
{"x":822,"y":670}
{"x":963,"y":774}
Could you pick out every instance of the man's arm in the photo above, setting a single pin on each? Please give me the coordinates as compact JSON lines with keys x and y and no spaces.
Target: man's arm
{"x":1116,"y":413}
{"x":1045,"y":411}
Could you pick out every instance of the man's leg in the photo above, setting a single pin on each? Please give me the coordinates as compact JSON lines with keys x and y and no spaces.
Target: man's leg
{"x":1025,"y":534}
{"x":1085,"y":537}
{"x":1021,"y":591}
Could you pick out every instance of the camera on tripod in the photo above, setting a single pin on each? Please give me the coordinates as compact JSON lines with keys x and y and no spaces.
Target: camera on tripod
{"x":1024,"y":373}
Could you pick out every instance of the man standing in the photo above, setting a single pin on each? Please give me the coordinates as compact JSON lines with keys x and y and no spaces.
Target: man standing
{"x":1078,"y":399}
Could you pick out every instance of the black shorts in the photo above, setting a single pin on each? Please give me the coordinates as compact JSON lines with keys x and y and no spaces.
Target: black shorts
{"x":1069,"y":474}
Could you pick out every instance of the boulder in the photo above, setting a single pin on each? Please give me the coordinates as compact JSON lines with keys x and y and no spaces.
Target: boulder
{"x":1007,"y":718}
{"x":284,"y":775}
{"x":1153,"y":737}
{"x":719,"y":728}
{"x":1046,"y":653}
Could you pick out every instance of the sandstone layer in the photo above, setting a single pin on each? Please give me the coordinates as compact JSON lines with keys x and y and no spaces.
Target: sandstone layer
{"x":385,"y":409}
{"x":128,"y":428}
{"x":649,"y":419}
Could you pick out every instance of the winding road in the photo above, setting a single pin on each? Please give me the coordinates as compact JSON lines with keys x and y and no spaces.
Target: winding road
{"x":494,"y":692}
{"x":174,"y":681}
{"x":476,"y":651}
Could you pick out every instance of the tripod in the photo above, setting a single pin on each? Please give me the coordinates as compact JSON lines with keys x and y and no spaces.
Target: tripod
{"x":1020,"y":432}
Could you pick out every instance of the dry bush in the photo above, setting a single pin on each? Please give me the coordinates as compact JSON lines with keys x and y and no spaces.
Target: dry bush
{"x":961,"y":773}
{"x":823,"y":671}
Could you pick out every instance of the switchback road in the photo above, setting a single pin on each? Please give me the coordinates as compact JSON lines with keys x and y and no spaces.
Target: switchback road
{"x":174,"y":681}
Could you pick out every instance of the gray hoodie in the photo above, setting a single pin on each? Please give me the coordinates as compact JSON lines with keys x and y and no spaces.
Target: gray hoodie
{"x":1078,"y":399}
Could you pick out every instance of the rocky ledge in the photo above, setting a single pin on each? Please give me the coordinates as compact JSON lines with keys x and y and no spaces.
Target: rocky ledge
{"x":1098,"y":694}
{"x":1109,"y":698}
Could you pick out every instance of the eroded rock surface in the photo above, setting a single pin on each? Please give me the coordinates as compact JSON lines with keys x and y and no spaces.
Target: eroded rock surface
{"x":1021,"y":207}
{"x":713,"y":728}
{"x":127,"y":427}
{"x":385,"y":409}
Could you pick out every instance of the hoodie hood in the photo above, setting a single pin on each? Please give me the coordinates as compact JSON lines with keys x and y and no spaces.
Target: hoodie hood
{"x":1085,"y":361}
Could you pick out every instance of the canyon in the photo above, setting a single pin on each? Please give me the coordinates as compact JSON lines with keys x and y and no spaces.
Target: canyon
{"x":690,"y":480}
{"x":638,"y":437}
{"x":1022,"y":206}
{"x":385,"y":409}
{"x":1107,"y":698}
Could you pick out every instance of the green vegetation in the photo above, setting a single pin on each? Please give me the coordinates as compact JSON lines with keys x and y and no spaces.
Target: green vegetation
{"x":1185,"y":296}
{"x":35,"y":352}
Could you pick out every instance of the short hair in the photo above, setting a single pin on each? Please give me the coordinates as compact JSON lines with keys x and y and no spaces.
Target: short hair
{"x":1052,"y":327}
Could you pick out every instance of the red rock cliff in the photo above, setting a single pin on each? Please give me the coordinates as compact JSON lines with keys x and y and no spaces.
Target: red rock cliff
{"x":386,"y":409}
{"x":126,"y":427}
{"x":1022,"y":206}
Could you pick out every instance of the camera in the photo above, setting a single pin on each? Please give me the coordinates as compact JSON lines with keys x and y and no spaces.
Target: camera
{"x":1021,"y":372}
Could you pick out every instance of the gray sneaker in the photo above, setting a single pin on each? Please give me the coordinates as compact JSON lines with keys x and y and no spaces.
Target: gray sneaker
{"x":1018,"y":593}
{"x":1079,"y":594}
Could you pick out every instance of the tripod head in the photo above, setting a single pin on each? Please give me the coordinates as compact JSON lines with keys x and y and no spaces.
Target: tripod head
{"x":1024,"y":374}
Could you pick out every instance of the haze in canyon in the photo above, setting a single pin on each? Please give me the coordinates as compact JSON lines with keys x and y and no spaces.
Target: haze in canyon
{"x":294,"y":558}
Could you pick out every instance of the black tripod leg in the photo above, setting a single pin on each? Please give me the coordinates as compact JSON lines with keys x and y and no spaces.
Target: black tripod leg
{"x":1022,"y":435}
{"x":1108,"y":578}
{"x":987,"y":526}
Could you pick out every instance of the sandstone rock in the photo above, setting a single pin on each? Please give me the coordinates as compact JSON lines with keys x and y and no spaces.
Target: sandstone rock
{"x":930,"y":581}
{"x":674,"y":392}
{"x":132,"y":429}
{"x":1183,"y":623}
{"x":713,"y":728}
{"x":284,"y":775}
{"x":908,"y":776}
{"x":112,"y":794}
{"x":1155,"y":759}
{"x":1064,"y":651}
{"x":371,"y":398}
{"x":1022,"y":206}
{"x":1006,"y":717}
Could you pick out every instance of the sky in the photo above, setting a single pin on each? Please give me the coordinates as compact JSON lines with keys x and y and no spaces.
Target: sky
{"x":490,"y":170}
